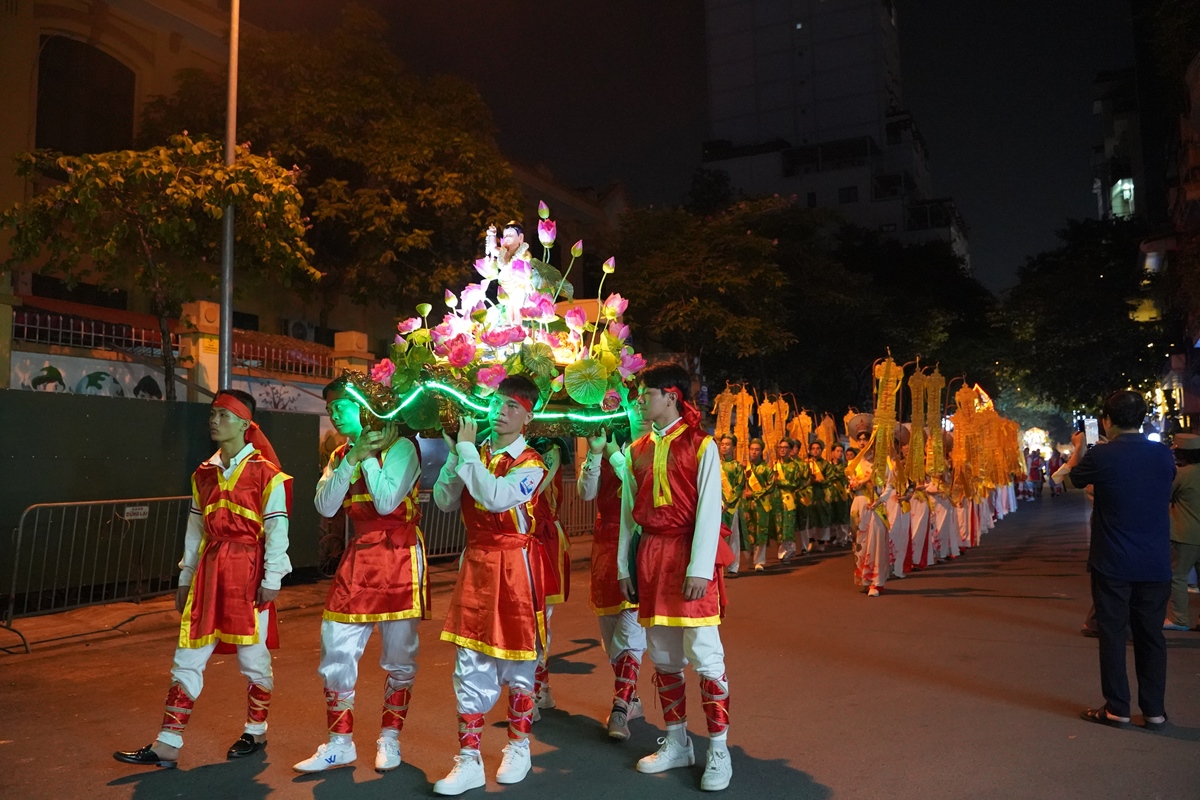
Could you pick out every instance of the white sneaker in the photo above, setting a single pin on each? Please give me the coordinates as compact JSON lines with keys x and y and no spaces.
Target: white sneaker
{"x":717,"y":770}
{"x":328,"y":756}
{"x":467,"y":774}
{"x":515,"y":764}
{"x":387,"y":753}
{"x":620,"y":716}
{"x":873,"y":591}
{"x":543,"y":699}
{"x":670,"y":755}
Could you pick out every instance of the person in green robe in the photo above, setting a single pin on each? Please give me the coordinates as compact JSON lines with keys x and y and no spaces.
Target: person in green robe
{"x":733,"y":483}
{"x":788,"y":479}
{"x":756,"y":505}
{"x":821,"y":510}
{"x":841,"y":496}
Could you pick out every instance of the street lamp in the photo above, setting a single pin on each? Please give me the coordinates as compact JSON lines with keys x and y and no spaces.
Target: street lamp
{"x":225,"y":338}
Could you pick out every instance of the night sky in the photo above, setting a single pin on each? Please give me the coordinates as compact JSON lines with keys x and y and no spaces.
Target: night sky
{"x":615,"y":90}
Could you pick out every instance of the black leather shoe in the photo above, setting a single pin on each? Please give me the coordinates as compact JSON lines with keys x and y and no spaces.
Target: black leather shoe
{"x":146,"y":757}
{"x":245,"y":746}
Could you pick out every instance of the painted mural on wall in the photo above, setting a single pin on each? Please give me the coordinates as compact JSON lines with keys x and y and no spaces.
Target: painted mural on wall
{"x":75,"y":375}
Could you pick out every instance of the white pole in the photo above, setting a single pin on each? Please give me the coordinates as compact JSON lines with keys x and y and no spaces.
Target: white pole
{"x":225,"y":359}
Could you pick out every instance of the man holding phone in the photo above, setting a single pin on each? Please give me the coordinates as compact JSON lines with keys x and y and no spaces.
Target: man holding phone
{"x":1129,"y":557}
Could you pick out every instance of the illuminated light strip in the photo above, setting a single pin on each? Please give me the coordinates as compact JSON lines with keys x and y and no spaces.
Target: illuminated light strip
{"x":469,"y":402}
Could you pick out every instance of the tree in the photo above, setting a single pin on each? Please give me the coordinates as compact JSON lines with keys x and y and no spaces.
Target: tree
{"x":704,"y":286}
{"x":400,"y":175}
{"x":1073,"y":337}
{"x":153,"y":218}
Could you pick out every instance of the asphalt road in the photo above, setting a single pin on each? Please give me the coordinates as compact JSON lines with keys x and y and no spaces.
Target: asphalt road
{"x":963,"y":681}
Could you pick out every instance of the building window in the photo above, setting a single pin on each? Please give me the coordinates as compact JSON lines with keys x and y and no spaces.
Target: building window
{"x":812,"y":199}
{"x":84,"y":100}
{"x":888,"y":227}
{"x":1123,"y":199}
{"x":848,"y":194}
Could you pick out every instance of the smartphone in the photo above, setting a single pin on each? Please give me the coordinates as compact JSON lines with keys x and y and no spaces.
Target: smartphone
{"x":1091,"y":430}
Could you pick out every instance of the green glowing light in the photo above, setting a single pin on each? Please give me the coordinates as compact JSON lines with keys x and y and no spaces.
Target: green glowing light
{"x":471,"y":403}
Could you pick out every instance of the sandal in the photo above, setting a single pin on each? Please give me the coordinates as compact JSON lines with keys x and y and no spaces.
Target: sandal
{"x":1101,"y":717}
{"x":1157,"y":726}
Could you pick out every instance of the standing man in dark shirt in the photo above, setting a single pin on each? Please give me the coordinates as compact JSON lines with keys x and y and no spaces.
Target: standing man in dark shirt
{"x":1130,"y":556}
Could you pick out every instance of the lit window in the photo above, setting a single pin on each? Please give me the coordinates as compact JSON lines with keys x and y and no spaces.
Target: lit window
{"x":1122,"y":199}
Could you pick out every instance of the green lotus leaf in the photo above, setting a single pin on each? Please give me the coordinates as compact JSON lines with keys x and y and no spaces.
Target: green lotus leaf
{"x":538,"y":359}
{"x":422,"y":414}
{"x":586,"y":381}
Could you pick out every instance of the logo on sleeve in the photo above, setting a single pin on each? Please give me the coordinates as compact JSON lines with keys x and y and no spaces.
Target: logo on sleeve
{"x":527,"y":486}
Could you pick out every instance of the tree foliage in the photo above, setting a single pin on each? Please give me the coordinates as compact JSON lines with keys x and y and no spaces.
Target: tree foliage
{"x":152,"y":218}
{"x":704,"y":286}
{"x":399,"y":174}
{"x":1073,"y":339}
{"x":792,"y":300}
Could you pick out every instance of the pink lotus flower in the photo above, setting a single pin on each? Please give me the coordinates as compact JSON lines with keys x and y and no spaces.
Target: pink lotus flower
{"x":577,"y":249}
{"x":441,"y":333}
{"x":556,"y":339}
{"x":539,"y":308}
{"x":609,"y":266}
{"x":409,"y":325}
{"x":487,"y":268}
{"x":547,"y":232}
{"x":491,"y":376}
{"x":498,"y":337}
{"x":383,"y":371}
{"x":543,"y":210}
{"x":611,"y":401}
{"x":519,"y":270}
{"x":614,"y":306}
{"x":460,"y":351}
{"x":516,"y":334}
{"x":472,"y":295}
{"x":556,"y":385}
{"x":630,"y":364}
{"x":576,"y":319}
{"x":618,"y":330}
{"x":451,"y":300}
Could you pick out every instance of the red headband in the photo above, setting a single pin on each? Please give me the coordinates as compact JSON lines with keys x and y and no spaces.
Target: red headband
{"x":233,"y":405}
{"x":521,"y":401}
{"x":254,"y":434}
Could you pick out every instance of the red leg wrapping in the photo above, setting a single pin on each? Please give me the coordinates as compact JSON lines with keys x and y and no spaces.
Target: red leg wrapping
{"x":470,"y":731}
{"x":715,"y":696}
{"x":520,"y":714}
{"x":671,"y":696}
{"x":541,"y":678}
{"x":258,"y":701}
{"x":339,"y":711}
{"x":625,"y":668}
{"x":178,"y":709}
{"x":395,"y":707}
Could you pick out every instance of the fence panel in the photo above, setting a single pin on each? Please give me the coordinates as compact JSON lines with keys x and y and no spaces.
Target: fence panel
{"x":70,"y":555}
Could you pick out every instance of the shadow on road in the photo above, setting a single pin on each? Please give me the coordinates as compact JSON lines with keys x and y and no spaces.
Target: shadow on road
{"x":610,"y":771}
{"x":226,"y":779}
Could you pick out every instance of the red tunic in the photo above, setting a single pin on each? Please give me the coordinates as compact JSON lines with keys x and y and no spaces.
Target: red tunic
{"x":556,"y":550}
{"x":665,"y":508}
{"x":606,"y":591}
{"x":498,"y":607}
{"x":382,"y":573}
{"x":230,"y":561}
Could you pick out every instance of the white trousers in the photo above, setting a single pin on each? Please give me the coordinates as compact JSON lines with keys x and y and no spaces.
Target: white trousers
{"x":622,"y":632}
{"x":342,"y":645}
{"x":479,"y":677}
{"x":254,"y":661}
{"x":671,"y":649}
{"x":735,"y":542}
{"x":545,"y":654}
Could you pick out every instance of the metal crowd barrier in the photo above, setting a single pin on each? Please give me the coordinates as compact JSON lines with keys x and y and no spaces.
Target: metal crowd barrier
{"x":445,"y":535}
{"x":70,"y":555}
